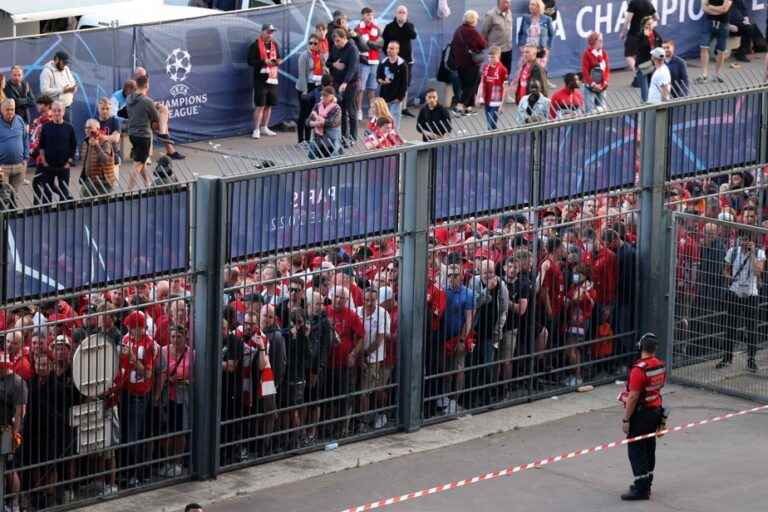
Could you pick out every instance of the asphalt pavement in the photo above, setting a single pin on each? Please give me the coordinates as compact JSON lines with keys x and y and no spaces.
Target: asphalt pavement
{"x":717,"y":467}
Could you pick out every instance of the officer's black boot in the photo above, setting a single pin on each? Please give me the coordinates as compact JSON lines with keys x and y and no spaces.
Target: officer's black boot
{"x":638,"y":491}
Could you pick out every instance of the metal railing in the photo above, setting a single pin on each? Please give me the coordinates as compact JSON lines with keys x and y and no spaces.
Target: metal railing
{"x":395,"y":259}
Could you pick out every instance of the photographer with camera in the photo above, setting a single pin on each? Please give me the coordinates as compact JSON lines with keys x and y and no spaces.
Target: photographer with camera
{"x":744,"y":265}
{"x":99,"y":175}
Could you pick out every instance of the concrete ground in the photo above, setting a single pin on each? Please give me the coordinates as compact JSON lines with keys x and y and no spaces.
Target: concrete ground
{"x":712,"y":468}
{"x":208,"y":157}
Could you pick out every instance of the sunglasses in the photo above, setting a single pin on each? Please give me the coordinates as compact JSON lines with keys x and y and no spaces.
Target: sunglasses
{"x":313,"y":43}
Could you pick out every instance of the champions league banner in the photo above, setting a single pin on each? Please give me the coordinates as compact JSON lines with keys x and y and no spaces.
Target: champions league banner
{"x":95,"y":244}
{"x":314,"y":206}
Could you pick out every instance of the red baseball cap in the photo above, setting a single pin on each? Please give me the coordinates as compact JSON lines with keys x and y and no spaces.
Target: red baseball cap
{"x":134,"y":320}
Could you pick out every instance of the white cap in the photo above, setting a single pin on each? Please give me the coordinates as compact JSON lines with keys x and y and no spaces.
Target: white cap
{"x":658,"y":53}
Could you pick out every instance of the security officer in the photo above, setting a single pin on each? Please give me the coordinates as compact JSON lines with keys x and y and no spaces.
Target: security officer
{"x":643,"y":415}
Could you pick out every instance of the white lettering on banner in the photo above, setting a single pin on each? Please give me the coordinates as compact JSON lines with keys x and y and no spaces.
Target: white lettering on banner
{"x":314,"y":197}
{"x":310,"y":218}
{"x":668,"y":7}
{"x":605,"y":18}
{"x":559,"y":28}
{"x":583,"y":33}
{"x":758,"y":5}
{"x":601,"y":20}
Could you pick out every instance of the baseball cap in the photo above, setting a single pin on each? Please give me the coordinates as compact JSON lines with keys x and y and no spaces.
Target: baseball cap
{"x":268,"y":27}
{"x":134,"y":320}
{"x":62,"y":56}
{"x":657,"y":53}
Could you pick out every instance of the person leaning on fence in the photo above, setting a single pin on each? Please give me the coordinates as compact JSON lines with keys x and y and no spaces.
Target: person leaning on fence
{"x":384,"y":135}
{"x":467,"y":48}
{"x":568,"y":100}
{"x":99,"y":175}
{"x":492,"y":92}
{"x":58,"y":145}
{"x":534,"y":107}
{"x":595,"y":73}
{"x":180,"y":357}
{"x":19,"y":90}
{"x":14,"y":152}
{"x":13,"y":400}
{"x":434,"y":121}
{"x":325,"y":122}
{"x":374,"y":375}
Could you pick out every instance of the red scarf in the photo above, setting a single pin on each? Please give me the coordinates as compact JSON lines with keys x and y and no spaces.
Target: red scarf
{"x":264,"y":55}
{"x":522,"y":87}
{"x":317,"y":66}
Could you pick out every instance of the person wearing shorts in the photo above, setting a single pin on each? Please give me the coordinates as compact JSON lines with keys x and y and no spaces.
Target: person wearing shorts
{"x":717,"y":31}
{"x":264,"y":57}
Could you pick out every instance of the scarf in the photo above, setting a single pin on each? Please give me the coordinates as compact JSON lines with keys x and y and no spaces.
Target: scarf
{"x":322,"y":113}
{"x":525,"y":75}
{"x":264,"y":55}
{"x":317,"y":67}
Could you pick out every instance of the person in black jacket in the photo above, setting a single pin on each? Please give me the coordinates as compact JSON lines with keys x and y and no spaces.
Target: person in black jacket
{"x":18,"y":90}
{"x":434,"y":120}
{"x":392,"y":75}
{"x":344,"y":64}
{"x":320,"y":336}
{"x":264,"y":57}
{"x":57,"y":152}
{"x":402,"y":31}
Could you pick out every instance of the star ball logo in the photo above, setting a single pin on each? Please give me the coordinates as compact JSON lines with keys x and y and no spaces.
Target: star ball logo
{"x":178,"y":66}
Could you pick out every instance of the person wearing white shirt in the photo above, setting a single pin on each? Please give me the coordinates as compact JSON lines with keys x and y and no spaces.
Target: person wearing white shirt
{"x":661,"y":80}
{"x":375,"y":376}
{"x":744,"y":264}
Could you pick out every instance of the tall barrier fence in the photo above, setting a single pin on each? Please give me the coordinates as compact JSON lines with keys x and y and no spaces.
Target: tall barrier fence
{"x":193,"y":329}
{"x":199,"y":66}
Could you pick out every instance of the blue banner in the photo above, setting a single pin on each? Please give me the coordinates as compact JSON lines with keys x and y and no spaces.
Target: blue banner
{"x":304,"y":208}
{"x":588,"y":157}
{"x":482,"y":176}
{"x":87,"y":245}
{"x":716,"y":134}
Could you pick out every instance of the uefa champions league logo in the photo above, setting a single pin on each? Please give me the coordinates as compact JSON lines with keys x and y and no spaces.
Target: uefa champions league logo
{"x":178,"y":65}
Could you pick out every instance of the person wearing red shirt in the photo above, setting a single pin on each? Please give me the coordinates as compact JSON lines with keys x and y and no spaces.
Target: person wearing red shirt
{"x":43,"y":103}
{"x":568,"y":100}
{"x":643,"y":414}
{"x":531,"y":71}
{"x":371,"y":43}
{"x":346,"y":348}
{"x":493,"y":87}
{"x":580,"y":302}
{"x":384,"y":135}
{"x":18,"y":355}
{"x":594,"y":73}
{"x":605,"y":272}
{"x":552,"y":290}
{"x":133,"y":381}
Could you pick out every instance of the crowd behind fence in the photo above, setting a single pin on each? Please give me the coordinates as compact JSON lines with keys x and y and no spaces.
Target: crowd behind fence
{"x":288,"y":310}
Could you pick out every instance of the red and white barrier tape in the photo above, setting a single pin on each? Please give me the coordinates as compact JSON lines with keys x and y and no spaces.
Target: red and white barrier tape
{"x":543,"y":462}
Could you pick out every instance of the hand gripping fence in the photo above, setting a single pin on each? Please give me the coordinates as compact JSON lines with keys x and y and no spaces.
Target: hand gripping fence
{"x":544,"y":462}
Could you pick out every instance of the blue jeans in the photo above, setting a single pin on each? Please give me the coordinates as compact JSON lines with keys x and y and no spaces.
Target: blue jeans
{"x":592,"y":99}
{"x":492,"y":116}
{"x":643,"y":80}
{"x":456,"y":86}
{"x":326,"y":145}
{"x":395,"y":108}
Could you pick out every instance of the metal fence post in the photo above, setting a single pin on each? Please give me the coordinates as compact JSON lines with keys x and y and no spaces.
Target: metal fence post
{"x":208,"y":265}
{"x":653,"y":254}
{"x":416,"y":201}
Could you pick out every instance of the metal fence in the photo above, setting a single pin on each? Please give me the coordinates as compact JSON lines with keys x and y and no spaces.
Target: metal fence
{"x":294,"y":308}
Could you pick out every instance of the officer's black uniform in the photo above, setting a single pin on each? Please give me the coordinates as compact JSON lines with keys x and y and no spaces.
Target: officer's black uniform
{"x":645,"y":419}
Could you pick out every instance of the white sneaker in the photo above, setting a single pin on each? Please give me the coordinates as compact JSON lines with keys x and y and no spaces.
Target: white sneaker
{"x":266,"y":131}
{"x":442,"y":402}
{"x":69,"y":495}
{"x":570,"y":381}
{"x":165,"y":470}
{"x":109,"y":490}
{"x":256,"y":134}
{"x":453,"y":407}
{"x":359,"y":115}
{"x":380,"y":421}
{"x":177,"y":470}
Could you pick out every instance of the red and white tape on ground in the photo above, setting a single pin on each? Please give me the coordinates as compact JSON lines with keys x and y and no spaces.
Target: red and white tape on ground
{"x":543,"y":462}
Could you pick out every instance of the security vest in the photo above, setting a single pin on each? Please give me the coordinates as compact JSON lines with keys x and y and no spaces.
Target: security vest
{"x":655,"y":374}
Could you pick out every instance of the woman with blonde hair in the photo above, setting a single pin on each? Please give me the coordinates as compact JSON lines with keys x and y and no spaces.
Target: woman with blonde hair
{"x":379,"y":108}
{"x":537,"y":28}
{"x":467,"y":48}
